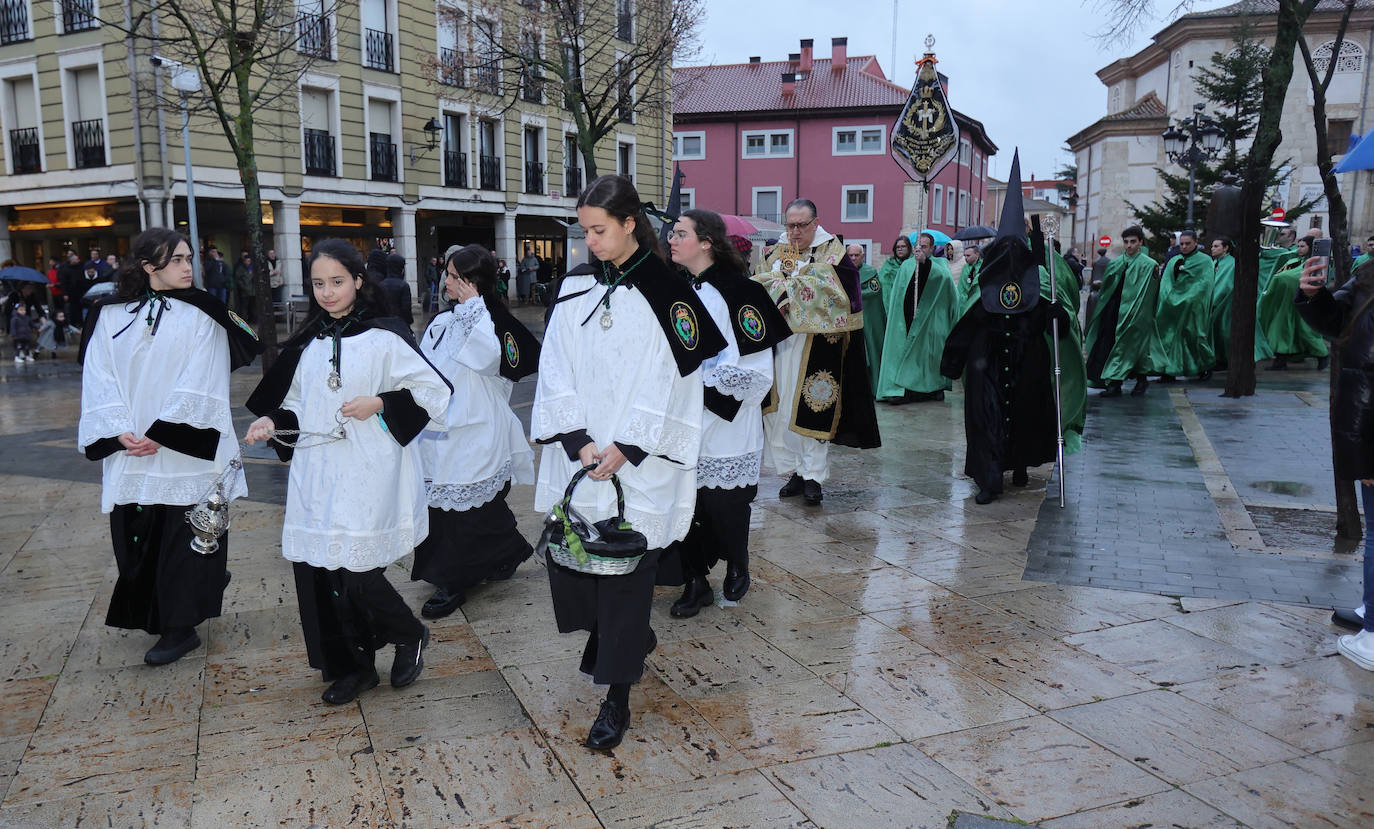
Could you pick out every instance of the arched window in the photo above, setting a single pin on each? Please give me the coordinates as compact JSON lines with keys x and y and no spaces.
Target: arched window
{"x":1351,"y":58}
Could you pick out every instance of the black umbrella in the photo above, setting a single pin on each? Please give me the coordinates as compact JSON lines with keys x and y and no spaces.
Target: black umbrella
{"x":968,"y":234}
{"x":19,"y":273}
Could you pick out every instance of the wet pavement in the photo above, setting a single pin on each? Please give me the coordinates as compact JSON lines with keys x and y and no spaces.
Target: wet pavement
{"x":903,"y":655}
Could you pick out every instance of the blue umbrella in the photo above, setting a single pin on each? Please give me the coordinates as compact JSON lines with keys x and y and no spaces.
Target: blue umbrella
{"x":940,"y":237}
{"x":19,"y":273}
{"x":1359,"y":158}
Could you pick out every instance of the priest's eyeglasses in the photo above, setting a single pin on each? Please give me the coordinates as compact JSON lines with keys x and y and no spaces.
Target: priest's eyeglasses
{"x":800,"y":225}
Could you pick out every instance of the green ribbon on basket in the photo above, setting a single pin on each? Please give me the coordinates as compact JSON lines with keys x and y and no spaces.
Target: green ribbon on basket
{"x":571,"y":540}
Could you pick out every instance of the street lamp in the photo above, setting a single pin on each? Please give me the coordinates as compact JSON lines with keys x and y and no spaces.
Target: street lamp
{"x":186,"y":81}
{"x":1192,"y":142}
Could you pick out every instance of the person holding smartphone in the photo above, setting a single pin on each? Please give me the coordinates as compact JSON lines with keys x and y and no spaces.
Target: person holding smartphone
{"x":1278,"y":320}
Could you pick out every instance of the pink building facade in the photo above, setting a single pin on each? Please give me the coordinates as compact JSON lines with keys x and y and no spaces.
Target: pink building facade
{"x":751,"y":137}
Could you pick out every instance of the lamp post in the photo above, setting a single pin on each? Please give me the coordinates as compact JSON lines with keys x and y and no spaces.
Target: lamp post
{"x":1192,"y":142}
{"x":186,"y":81}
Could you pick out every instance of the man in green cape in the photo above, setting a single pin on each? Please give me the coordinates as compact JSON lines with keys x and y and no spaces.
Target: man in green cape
{"x":1288,"y":335}
{"x":968,"y":280}
{"x":1123,"y":319}
{"x":1223,"y":285}
{"x":1366,"y":253}
{"x":1182,"y":344}
{"x":875,"y":318}
{"x":922,"y":307}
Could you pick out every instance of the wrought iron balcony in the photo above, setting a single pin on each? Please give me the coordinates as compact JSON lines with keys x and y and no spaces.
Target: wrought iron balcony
{"x":534,"y":178}
{"x":24,"y":150}
{"x":453,"y":68}
{"x":315,"y":37}
{"x":383,"y":151}
{"x":486,"y":75}
{"x":14,"y":22}
{"x":380,"y":51}
{"x":531,"y":87}
{"x":319,"y":153}
{"x":78,"y":15}
{"x":490,"y":172}
{"x":88,"y":143}
{"x":455,"y":169}
{"x":572,"y":181}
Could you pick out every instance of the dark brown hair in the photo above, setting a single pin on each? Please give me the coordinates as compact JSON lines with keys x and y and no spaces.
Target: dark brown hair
{"x":617,"y":196}
{"x":155,"y":246}
{"x":710,"y":227}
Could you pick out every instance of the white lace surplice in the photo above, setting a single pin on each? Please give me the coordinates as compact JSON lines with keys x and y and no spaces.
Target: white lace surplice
{"x":180,"y":375}
{"x":358,"y":503}
{"x":732,"y":450}
{"x":620,"y":384}
{"x":484,"y":445}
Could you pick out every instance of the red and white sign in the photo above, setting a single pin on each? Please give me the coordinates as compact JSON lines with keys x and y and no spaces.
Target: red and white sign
{"x":1104,"y":242}
{"x":1277,"y":215}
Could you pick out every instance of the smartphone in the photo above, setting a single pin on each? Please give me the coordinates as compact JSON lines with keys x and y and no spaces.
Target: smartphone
{"x":1322,"y":248}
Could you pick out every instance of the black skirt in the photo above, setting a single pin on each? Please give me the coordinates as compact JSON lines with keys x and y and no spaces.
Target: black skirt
{"x":614,"y":610}
{"x":465,"y":548}
{"x":163,"y":584}
{"x":346,"y":617}
{"x":720,"y":530}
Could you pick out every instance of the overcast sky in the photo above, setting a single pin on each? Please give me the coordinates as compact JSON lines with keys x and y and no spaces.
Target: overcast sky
{"x":1027,"y":70}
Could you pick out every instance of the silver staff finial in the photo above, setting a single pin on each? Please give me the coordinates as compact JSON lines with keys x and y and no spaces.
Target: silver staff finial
{"x":930,"y":42}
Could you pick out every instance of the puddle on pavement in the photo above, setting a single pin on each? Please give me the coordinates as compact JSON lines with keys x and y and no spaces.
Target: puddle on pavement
{"x":1302,"y":530}
{"x":1290,"y":488}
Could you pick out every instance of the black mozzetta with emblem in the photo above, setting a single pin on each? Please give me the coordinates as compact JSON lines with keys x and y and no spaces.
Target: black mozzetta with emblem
{"x":1009,"y":280}
{"x":757,"y":322}
{"x":244,"y":345}
{"x":691,"y":333}
{"x":519,"y":348}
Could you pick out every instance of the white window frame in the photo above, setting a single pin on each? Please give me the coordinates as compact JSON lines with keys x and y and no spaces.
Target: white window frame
{"x":768,"y":143}
{"x":845,"y":190}
{"x":866,"y":244}
{"x":858,"y":130}
{"x":937,"y":204}
{"x":528,"y":120}
{"x":329,"y":9}
{"x":9,"y":119}
{"x":689,"y":198}
{"x":754,"y":201}
{"x":951,"y":205}
{"x":394,"y":29}
{"x":966,"y":152}
{"x":964,"y":208}
{"x":615,"y":20}
{"x":67,"y":65}
{"x":620,"y":58}
{"x":330,"y":84}
{"x":392,"y":95}
{"x":57,"y":17}
{"x":450,"y":106}
{"x":28,"y":10}
{"x":679,"y":155}
{"x":629,"y":139}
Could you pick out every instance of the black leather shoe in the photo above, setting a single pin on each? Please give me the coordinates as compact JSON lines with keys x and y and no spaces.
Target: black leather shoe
{"x":653,"y":643}
{"x":1347,"y":618}
{"x":792,"y":487}
{"x":1141,"y":384}
{"x":1205,"y":376}
{"x":736,"y":582}
{"x":172,"y":645}
{"x":1113,"y":389}
{"x":409,"y":661}
{"x":1279,"y":364}
{"x":984,"y":497}
{"x":610,"y":726}
{"x":696,"y":595}
{"x":814,"y":495}
{"x":1019,"y":477}
{"x":442,"y":603}
{"x":1323,"y":363}
{"x":347,"y":689}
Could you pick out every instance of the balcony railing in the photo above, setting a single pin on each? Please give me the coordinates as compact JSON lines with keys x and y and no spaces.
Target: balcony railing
{"x":490,"y":172}
{"x":531,"y":87}
{"x":319,"y":153}
{"x":78,"y":15}
{"x":14,"y":21}
{"x":88,"y":142}
{"x":314,"y":36}
{"x":383,"y":156}
{"x":534,"y":178}
{"x":485,"y":76}
{"x":572,"y":181}
{"x":455,"y":169}
{"x":452,"y":68}
{"x":380,"y":52}
{"x":24,"y":150}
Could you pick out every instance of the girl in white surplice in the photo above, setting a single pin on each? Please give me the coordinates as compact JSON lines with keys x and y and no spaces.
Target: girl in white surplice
{"x":155,"y":410}
{"x":355,"y":505}
{"x":470,"y":466}
{"x":620,"y":390}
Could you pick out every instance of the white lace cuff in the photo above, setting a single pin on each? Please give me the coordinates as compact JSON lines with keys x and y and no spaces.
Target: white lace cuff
{"x":200,"y":411}
{"x":742,"y":384}
{"x":729,"y":473}
{"x":106,"y":422}
{"x":555,"y":416}
{"x":460,"y":497}
{"x":661,"y":435}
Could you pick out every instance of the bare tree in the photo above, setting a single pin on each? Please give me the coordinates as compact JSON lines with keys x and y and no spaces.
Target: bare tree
{"x":250,"y":56}
{"x":606,"y":63}
{"x":1125,"y":18}
{"x":1347,"y":510}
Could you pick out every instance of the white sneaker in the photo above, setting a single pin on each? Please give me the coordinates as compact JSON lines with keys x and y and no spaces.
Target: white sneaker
{"x":18,"y":358}
{"x":1358,"y":648}
{"x":28,"y":358}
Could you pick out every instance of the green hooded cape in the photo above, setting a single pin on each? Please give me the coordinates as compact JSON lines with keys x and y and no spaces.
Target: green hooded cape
{"x":1134,"y":280}
{"x":911,"y":358}
{"x":875,"y":319}
{"x":1183,"y":322}
{"x":1284,"y":330}
{"x":1223,"y":285}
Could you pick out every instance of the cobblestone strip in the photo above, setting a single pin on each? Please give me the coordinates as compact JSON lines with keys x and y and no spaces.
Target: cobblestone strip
{"x":1235,"y":520}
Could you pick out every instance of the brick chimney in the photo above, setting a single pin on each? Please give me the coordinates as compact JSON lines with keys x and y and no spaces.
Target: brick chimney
{"x":806,"y":49}
{"x":789,"y":83}
{"x":839,"y":52}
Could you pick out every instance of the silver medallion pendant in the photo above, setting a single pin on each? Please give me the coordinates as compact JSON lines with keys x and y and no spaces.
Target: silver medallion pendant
{"x":335,"y":382}
{"x":606,"y":320}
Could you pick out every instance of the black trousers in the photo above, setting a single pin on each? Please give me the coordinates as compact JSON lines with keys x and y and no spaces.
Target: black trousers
{"x":614,"y":610}
{"x":162,"y":584}
{"x":464,"y":548}
{"x":720,"y":530}
{"x":346,"y":617}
